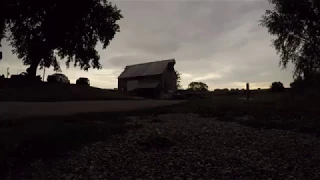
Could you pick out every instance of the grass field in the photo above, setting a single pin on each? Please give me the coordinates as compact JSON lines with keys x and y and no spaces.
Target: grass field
{"x":46,"y":92}
{"x":47,"y":137}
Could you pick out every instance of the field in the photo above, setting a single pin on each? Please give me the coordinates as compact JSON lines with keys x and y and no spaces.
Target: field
{"x":46,"y":92}
{"x":22,"y":110}
{"x":273,"y":135}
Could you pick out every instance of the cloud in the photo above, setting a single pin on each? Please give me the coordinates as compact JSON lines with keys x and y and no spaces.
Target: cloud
{"x":208,"y":76}
{"x":124,"y":60}
{"x":218,"y":42}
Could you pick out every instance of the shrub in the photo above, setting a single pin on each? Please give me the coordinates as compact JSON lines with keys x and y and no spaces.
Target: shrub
{"x":298,"y":83}
{"x":277,"y":87}
{"x":301,"y":83}
{"x":233,"y":92}
{"x":225,"y":90}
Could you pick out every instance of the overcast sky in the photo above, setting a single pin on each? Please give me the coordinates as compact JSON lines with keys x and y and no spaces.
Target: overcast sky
{"x":218,"y":42}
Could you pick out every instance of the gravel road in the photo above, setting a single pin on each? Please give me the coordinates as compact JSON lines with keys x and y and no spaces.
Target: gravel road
{"x":185,"y":146}
{"x":10,"y":110}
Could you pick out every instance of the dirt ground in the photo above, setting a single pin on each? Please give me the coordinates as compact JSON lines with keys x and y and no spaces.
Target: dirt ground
{"x":187,"y":146}
{"x":12,"y":110}
{"x":272,"y":136}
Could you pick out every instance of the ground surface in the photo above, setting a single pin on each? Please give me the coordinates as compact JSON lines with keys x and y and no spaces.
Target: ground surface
{"x":48,"y":92}
{"x":11,"y":110}
{"x":185,"y":146}
{"x":272,"y":135}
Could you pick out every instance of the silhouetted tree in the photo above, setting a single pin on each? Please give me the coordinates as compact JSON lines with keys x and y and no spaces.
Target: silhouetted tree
{"x":3,"y":6}
{"x":298,"y":82}
{"x":296,"y":26}
{"x":178,"y":79}
{"x":198,"y":86}
{"x":41,"y":31}
{"x":233,"y":91}
{"x":277,"y":87}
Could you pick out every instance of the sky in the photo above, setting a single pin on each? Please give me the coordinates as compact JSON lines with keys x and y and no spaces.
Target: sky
{"x":218,"y":42}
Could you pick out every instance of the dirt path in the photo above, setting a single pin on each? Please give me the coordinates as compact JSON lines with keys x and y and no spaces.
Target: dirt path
{"x":11,"y":110}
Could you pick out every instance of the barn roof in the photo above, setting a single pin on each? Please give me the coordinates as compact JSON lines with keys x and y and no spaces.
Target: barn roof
{"x":146,"y":69}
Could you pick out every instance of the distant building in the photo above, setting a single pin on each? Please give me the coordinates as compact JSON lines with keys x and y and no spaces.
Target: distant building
{"x":153,"y":79}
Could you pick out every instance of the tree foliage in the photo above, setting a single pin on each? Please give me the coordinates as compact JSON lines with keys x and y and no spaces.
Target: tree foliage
{"x":277,"y":87}
{"x":198,"y":86}
{"x":42,"y":31}
{"x":298,"y":83}
{"x":296,"y":27}
{"x":178,"y":79}
{"x":3,"y":6}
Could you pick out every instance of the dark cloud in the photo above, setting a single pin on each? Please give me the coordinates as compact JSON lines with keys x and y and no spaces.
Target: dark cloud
{"x":123,"y":61}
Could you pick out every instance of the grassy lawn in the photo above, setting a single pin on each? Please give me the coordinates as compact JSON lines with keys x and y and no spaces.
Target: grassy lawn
{"x":25,"y":140}
{"x":264,"y":110}
{"x":46,"y":92}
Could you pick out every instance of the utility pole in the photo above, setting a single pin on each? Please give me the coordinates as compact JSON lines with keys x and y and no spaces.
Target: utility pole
{"x":248,"y":91}
{"x":44,"y":71}
{"x":8,"y":73}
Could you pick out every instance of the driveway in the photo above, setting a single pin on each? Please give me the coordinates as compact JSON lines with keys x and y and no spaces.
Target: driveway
{"x":12,"y":110}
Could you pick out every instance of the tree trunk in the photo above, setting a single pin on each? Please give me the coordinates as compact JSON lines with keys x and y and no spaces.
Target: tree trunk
{"x":32,"y":70}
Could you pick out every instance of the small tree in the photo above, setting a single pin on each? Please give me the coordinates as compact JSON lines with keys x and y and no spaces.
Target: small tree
{"x":277,"y":87}
{"x":178,"y":79}
{"x":233,"y":91}
{"x":198,"y":86}
{"x":297,"y":83}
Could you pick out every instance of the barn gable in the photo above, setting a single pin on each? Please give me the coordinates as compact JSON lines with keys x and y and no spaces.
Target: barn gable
{"x":146,"y":69}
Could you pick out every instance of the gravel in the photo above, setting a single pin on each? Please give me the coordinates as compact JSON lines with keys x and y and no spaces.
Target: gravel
{"x":185,"y":146}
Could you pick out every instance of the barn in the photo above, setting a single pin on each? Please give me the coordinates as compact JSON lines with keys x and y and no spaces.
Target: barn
{"x":156,"y":79}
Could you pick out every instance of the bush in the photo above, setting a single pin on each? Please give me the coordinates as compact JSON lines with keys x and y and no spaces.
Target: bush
{"x":277,"y":87}
{"x":225,"y":90}
{"x":298,"y":83}
{"x":233,"y":92}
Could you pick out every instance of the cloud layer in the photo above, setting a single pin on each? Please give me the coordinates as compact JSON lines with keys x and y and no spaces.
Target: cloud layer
{"x":217,"y":42}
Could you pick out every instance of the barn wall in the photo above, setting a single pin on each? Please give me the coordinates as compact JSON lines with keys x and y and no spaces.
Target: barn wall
{"x":122,"y":83}
{"x":169,"y":80}
{"x":132,"y":84}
